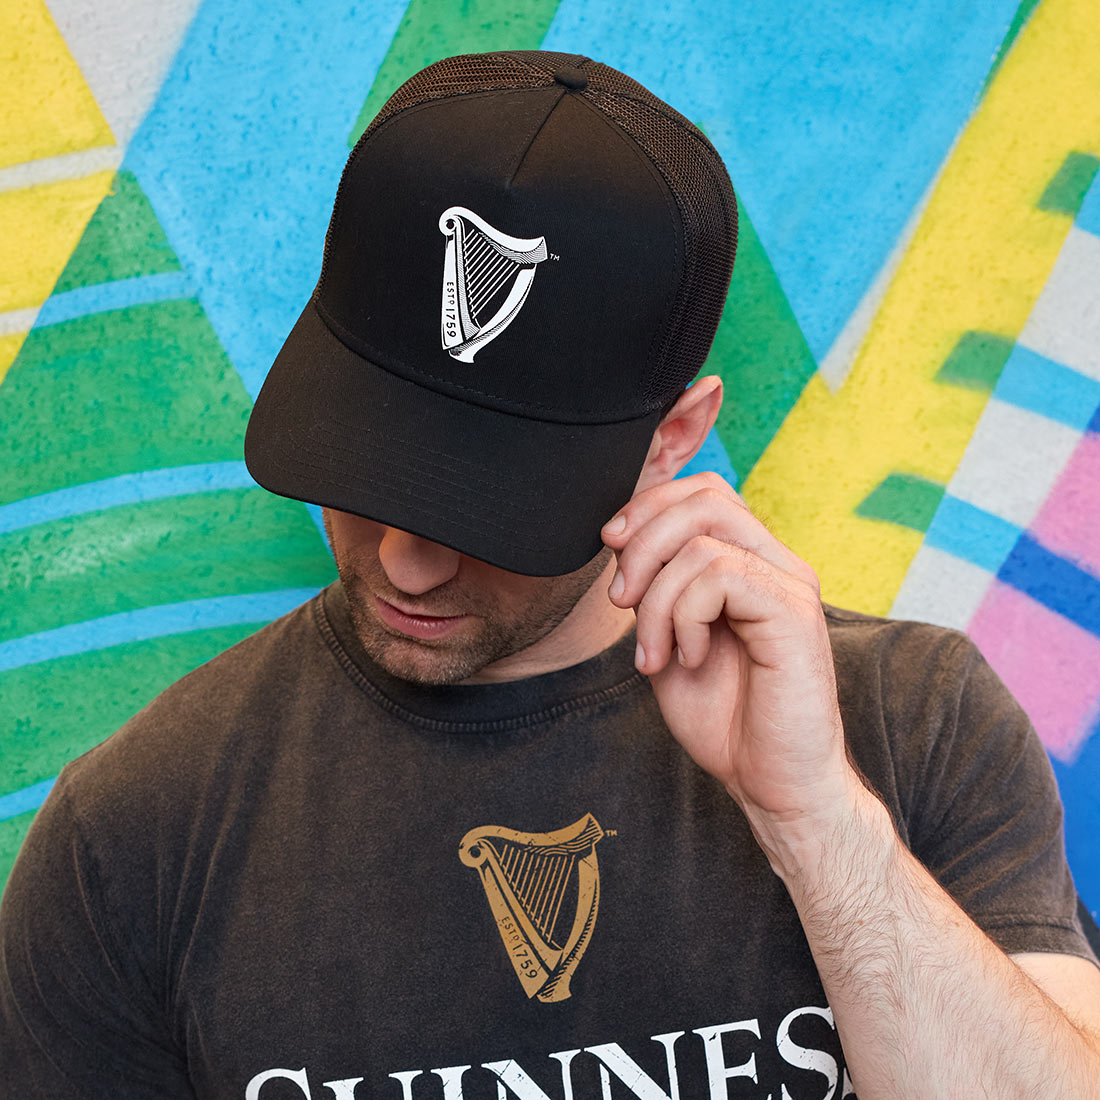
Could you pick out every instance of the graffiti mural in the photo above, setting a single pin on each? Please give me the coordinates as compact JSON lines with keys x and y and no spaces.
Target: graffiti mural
{"x":910,"y":348}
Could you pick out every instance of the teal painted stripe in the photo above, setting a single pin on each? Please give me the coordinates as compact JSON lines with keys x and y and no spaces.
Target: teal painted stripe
{"x":112,"y":492}
{"x":245,"y":144}
{"x":150,"y":622}
{"x":972,"y":534}
{"x":1031,"y":381}
{"x":140,"y":290}
{"x":1088,"y":217}
{"x":29,"y":798}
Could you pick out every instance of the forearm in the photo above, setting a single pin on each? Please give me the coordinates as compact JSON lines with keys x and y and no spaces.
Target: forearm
{"x":925,"y":1004}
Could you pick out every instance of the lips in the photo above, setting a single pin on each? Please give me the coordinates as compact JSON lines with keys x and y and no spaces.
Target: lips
{"x":416,"y":626}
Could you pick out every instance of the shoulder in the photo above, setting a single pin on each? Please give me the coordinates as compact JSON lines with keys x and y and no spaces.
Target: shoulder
{"x":903,"y":666}
{"x":917,"y":679}
{"x":180,"y":739}
{"x":858,"y":637}
{"x":924,"y":713}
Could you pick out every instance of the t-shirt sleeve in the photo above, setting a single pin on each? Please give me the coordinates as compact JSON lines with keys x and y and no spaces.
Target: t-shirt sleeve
{"x":79,"y":1013}
{"x":984,"y":812}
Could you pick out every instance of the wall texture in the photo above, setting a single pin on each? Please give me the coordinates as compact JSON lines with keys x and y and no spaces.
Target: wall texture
{"x":911,"y":345}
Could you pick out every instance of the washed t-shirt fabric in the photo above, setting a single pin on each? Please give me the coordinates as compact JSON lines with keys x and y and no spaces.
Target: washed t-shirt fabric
{"x":293,"y":874}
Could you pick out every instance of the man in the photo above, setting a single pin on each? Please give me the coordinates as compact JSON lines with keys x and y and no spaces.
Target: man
{"x":570,"y":787}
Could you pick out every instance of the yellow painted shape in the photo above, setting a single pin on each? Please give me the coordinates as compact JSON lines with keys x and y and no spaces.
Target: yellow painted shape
{"x":9,"y":349}
{"x":40,"y":227}
{"x":979,"y":259}
{"x":46,"y":107}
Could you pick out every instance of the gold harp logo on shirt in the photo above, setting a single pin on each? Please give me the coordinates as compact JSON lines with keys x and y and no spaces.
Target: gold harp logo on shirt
{"x":544,"y":891}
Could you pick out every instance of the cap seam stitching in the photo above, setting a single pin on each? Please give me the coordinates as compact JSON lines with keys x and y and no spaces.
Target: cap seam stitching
{"x":465,"y":520}
{"x":454,"y":464}
{"x":535,"y":135}
{"x":375,"y":359}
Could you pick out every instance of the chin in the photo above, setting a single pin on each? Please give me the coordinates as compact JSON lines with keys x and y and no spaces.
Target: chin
{"x":421,"y":664}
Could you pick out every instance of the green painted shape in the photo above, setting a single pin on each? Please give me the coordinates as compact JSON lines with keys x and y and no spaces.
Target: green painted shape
{"x":111,"y":393}
{"x":1019,"y":20}
{"x":46,"y":728}
{"x":759,"y":352}
{"x":158,"y":552}
{"x":431,"y":30}
{"x":905,"y":499}
{"x":1066,"y":191}
{"x":976,"y":361}
{"x":123,"y":240}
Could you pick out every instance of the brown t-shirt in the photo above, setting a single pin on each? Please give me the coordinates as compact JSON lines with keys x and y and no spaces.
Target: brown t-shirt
{"x":295,"y":875}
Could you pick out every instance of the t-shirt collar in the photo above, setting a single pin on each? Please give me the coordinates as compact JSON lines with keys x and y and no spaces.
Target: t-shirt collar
{"x":514,"y":703}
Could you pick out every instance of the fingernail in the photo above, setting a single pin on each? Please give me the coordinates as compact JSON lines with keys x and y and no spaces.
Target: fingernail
{"x":679,"y":655}
{"x":639,"y":656}
{"x":618,"y":586}
{"x":615,"y":526}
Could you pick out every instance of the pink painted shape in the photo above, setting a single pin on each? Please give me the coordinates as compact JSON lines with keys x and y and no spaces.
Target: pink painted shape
{"x":1069,"y":520}
{"x":1050,"y":664}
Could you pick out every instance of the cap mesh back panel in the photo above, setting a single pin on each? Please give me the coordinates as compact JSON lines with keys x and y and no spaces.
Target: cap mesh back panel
{"x":469,"y":73}
{"x":698,"y":180}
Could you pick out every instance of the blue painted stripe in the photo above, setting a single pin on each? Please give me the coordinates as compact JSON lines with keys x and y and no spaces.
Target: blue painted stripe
{"x":242,"y":151}
{"x":318,"y":517}
{"x":1031,"y":381}
{"x":150,"y":622}
{"x":711,"y":456}
{"x":137,"y":291}
{"x":972,"y":534}
{"x":1088,"y":217}
{"x":1054,"y":582}
{"x":832,"y":117}
{"x":1094,"y":423}
{"x":112,"y":492}
{"x":29,"y":798}
{"x":1077,"y":785}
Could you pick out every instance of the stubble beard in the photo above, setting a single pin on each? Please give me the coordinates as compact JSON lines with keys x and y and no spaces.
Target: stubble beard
{"x":499,"y":630}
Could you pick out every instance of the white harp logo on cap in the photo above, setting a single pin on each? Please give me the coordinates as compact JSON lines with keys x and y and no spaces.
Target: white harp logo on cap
{"x":480,"y":261}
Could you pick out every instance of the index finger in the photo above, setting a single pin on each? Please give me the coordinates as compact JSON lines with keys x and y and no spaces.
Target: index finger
{"x":643,"y":506}
{"x":708,"y":515}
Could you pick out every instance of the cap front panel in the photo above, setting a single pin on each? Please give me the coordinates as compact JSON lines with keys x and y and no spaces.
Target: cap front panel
{"x":514,"y":249}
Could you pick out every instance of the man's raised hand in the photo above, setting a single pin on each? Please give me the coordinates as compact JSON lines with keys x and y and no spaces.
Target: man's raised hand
{"x":733,"y":637}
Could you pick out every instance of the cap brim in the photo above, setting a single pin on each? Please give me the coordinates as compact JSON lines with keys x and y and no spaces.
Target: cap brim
{"x":529,"y":496}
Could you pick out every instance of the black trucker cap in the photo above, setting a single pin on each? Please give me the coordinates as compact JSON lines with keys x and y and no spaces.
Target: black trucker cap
{"x":527,"y":260}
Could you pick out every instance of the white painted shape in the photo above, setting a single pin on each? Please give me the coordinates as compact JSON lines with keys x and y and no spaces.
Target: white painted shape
{"x":841,"y":357}
{"x":17,"y":320}
{"x":1012,"y":461}
{"x":86,"y":162}
{"x":124,"y":49}
{"x":1065,"y":323}
{"x":940,"y":588}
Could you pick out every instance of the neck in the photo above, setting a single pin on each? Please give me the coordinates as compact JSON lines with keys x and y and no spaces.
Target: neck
{"x":593,"y":625}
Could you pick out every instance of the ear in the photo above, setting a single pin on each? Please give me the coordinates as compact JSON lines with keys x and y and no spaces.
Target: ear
{"x":680,"y":435}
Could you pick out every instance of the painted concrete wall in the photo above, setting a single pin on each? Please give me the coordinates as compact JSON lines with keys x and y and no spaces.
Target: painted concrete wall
{"x":911,"y":345}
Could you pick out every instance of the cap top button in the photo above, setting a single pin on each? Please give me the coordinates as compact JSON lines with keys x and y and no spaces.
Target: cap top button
{"x":571,"y":78}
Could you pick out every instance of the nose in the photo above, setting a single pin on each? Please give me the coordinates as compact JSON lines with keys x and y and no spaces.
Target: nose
{"x":415,"y":565}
